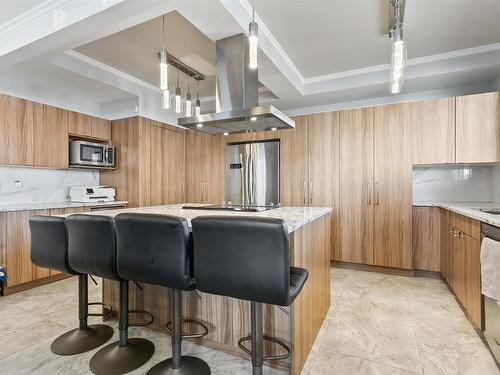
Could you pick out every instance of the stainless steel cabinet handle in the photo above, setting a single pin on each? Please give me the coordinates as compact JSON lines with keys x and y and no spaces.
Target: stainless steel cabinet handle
{"x":305,"y":192}
{"x":311,"y":197}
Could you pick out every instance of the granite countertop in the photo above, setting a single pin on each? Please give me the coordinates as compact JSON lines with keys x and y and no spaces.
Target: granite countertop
{"x":469,"y":209}
{"x":54,"y":205}
{"x":295,"y":217}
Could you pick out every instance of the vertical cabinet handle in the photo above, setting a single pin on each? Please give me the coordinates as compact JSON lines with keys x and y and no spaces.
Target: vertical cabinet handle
{"x":311,"y":197}
{"x":377,"y":201}
{"x":305,"y":192}
{"x":369,"y":194}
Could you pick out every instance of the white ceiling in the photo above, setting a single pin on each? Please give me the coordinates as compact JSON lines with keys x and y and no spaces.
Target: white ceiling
{"x":13,"y":8}
{"x":134,"y":51}
{"x":330,"y":36}
{"x":313,"y":53}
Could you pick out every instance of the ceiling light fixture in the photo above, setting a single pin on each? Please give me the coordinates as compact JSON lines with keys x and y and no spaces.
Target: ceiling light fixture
{"x":398,"y":55}
{"x":197,"y":107}
{"x":178,"y":98}
{"x":253,"y":32}
{"x":164,"y":71}
{"x":253,"y":118}
{"x":188,"y":102}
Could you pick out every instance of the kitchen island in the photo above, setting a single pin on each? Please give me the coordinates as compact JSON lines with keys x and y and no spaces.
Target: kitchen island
{"x":228,"y":319}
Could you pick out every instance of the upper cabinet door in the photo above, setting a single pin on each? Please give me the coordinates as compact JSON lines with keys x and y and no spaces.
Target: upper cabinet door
{"x":356,"y":187}
{"x":294,"y":155}
{"x":50,"y":136}
{"x":101,"y":128}
{"x":16,"y":131}
{"x":80,"y":124}
{"x":478,"y":128}
{"x":173,"y":167}
{"x":393,"y":186}
{"x":433,"y":131}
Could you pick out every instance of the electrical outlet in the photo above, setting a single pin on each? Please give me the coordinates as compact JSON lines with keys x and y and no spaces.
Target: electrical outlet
{"x":18,"y":184}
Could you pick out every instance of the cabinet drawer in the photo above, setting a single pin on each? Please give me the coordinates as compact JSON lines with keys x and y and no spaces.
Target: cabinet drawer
{"x":467,"y":225}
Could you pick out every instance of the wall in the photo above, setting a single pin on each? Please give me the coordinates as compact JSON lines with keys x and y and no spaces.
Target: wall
{"x":40,"y":185}
{"x":478,"y":183}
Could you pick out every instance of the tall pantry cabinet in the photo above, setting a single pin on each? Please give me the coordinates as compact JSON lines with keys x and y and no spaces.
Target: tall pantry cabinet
{"x":375,"y":213}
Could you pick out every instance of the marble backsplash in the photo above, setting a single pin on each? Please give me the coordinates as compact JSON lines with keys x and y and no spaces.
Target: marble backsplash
{"x":34,"y":185}
{"x":457,"y":183}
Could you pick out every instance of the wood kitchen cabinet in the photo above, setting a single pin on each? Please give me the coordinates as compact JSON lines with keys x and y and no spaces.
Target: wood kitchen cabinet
{"x":50,"y":151}
{"x":16,"y":131}
{"x":375,"y":214}
{"x":18,"y":258}
{"x":131,"y":178}
{"x":460,"y":262}
{"x":204,"y":167}
{"x":356,"y":187}
{"x":150,"y":160}
{"x":294,"y":155}
{"x":426,"y":238}
{"x":86,"y":126}
{"x":167,"y":166}
{"x":392,"y":186}
{"x":478,"y":128}
{"x":433,"y":131}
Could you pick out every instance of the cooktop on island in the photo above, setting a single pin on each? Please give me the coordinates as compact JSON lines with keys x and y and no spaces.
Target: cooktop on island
{"x":230,"y":207}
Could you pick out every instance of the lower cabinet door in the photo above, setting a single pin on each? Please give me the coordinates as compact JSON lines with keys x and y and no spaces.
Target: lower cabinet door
{"x":472,"y":303}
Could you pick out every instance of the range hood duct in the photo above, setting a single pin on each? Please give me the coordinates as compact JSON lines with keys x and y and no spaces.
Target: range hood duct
{"x":237,"y":95}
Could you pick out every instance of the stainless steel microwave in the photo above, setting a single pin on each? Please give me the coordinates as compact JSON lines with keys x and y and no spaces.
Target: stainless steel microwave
{"x":97,"y":155}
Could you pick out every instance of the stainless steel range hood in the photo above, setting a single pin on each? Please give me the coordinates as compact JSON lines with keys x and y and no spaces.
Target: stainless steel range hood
{"x":237,"y":106}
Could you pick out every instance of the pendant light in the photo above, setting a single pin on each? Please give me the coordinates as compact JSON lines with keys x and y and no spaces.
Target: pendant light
{"x":197,"y":107}
{"x":253,"y":32}
{"x":188,"y":104}
{"x":164,"y":71}
{"x":398,"y":53}
{"x":178,"y":97}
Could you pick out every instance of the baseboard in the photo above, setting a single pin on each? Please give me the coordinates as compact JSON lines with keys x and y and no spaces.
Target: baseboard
{"x":371,"y":268}
{"x":35,"y":283}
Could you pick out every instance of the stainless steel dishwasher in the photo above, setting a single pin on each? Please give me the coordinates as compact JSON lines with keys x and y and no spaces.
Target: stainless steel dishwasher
{"x":491,"y":306}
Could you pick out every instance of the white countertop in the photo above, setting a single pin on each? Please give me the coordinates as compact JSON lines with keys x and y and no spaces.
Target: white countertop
{"x":55,"y":205}
{"x":469,"y":209}
{"x":295,"y":217}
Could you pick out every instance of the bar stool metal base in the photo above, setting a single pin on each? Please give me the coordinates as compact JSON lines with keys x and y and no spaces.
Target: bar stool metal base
{"x":81,"y":340}
{"x":189,"y":366}
{"x":114,"y":359}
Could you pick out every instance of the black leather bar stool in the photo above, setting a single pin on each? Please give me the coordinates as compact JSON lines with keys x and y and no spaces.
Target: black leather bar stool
{"x":92,"y":250}
{"x":156,"y":249}
{"x":49,"y":249}
{"x":247,"y":258}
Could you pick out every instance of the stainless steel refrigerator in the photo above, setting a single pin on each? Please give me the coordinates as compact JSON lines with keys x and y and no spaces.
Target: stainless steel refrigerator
{"x":252,"y":173}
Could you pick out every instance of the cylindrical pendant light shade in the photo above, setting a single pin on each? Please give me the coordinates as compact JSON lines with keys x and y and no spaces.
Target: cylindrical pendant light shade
{"x":253,"y":32}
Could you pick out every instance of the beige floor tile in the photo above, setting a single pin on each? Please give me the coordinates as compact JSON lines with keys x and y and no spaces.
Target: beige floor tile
{"x":327,"y":363}
{"x":392,"y":344}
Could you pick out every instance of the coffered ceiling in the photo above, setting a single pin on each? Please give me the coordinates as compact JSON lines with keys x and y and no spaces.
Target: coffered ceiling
{"x":314,"y":54}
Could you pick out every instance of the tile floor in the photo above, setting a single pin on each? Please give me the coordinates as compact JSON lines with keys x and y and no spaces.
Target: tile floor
{"x":378,"y":324}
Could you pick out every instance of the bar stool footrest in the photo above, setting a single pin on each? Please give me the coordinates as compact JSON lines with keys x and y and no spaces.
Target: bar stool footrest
{"x":203,"y":333}
{"x":108,"y":310}
{"x":270,"y":339}
{"x":150,"y":318}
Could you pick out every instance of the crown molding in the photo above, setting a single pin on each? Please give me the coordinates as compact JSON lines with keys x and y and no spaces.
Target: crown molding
{"x":241,"y":11}
{"x":46,"y":18}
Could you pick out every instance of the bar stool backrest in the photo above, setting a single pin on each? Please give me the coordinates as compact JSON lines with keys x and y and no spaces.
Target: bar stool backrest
{"x":92,"y":245}
{"x":155,"y":249}
{"x":242,"y":257}
{"x":49,"y":243}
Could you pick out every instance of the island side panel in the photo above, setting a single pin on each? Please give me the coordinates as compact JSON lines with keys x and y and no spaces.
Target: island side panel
{"x":311,"y":250}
